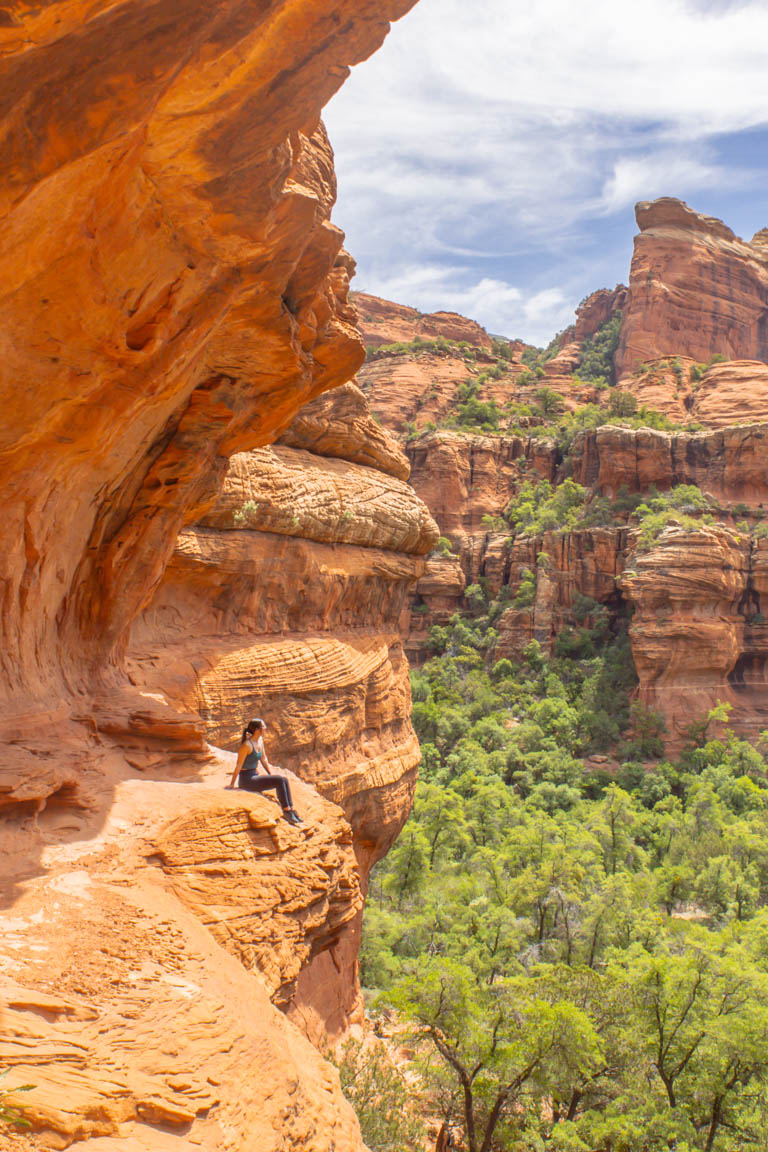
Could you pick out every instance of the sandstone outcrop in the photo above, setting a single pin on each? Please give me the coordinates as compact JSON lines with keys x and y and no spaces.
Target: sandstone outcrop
{"x":339,"y":424}
{"x":171,"y":296}
{"x":593,"y":312}
{"x":728,"y":465}
{"x":695,"y":289}
{"x":582,"y":563}
{"x":174,"y":291}
{"x":143,"y":976}
{"x":285,"y":602}
{"x":385,"y":322}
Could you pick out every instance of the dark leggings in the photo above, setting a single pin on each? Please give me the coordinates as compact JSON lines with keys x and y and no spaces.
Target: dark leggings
{"x":252,"y":781}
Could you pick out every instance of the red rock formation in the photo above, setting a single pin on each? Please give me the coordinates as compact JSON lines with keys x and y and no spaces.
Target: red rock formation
{"x":695,"y":289}
{"x":729,"y":465}
{"x":586,"y":563}
{"x":148,"y":967}
{"x":418,"y":389}
{"x":593,"y":312}
{"x":688,"y":629}
{"x":384,"y":322}
{"x":285,"y":602}
{"x":173,"y":292}
{"x":170,"y":297}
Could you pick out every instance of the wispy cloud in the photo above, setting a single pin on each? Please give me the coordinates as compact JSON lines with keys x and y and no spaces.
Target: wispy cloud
{"x":499,"y":146}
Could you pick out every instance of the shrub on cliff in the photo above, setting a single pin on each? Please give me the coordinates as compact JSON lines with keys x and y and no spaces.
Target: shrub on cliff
{"x":597,"y":353}
{"x":11,"y":1114}
{"x":538,"y":507}
{"x":673,"y":507}
{"x":381,"y":1095}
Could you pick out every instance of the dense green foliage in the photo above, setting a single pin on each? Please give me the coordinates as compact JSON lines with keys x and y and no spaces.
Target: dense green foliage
{"x":597,"y":354}
{"x":582,"y":955}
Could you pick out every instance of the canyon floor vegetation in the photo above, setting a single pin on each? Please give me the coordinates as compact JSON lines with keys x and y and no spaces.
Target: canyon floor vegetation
{"x":572,"y":929}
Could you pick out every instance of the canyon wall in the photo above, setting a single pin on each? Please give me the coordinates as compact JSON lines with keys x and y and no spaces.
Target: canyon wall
{"x":692,"y":315}
{"x":174,"y":292}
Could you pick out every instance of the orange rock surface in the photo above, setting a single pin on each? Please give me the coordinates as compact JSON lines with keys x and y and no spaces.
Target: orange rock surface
{"x":284,"y":602}
{"x":728,"y":464}
{"x":585,"y":562}
{"x":142,"y":976}
{"x":695,"y":289}
{"x":173,"y":292}
{"x":691,"y":596}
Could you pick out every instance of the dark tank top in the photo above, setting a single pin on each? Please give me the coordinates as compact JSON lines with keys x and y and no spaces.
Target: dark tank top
{"x":251,"y":762}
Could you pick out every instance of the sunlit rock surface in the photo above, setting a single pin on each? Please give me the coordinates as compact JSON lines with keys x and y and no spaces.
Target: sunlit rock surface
{"x":173,"y":292}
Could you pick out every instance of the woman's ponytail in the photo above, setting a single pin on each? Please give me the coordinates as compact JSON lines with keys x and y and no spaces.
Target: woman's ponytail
{"x":250,"y":728}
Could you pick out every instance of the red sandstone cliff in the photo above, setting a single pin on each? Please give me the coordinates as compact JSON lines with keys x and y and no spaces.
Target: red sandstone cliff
{"x":284,"y":601}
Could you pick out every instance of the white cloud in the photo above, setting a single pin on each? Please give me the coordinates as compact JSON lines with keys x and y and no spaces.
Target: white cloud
{"x":502,"y":138}
{"x":646,"y":177}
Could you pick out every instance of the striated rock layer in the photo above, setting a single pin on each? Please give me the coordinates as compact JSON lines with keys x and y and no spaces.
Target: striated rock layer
{"x":173,"y":292}
{"x":284,"y":602}
{"x":142,"y":978}
{"x":698,"y":631}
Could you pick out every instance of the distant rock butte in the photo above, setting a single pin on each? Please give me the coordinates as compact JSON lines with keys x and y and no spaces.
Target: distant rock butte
{"x":695,"y":289}
{"x":692,"y":347}
{"x":384,"y":322}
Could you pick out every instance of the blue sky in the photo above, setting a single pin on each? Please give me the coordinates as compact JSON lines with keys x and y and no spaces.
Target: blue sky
{"x":489,"y":158}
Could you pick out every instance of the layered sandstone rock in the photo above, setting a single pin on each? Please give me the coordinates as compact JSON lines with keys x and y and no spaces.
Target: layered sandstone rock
{"x":566,"y":565}
{"x":285,"y":602}
{"x":173,"y":292}
{"x":728,"y":465}
{"x":695,"y":289}
{"x":339,"y":425}
{"x":144,"y":974}
{"x":385,"y":322}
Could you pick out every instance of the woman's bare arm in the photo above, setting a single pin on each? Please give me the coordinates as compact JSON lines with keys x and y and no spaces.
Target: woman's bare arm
{"x":271,"y":768}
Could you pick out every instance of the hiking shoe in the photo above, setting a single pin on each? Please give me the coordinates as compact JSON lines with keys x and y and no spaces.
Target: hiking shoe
{"x":292,"y":816}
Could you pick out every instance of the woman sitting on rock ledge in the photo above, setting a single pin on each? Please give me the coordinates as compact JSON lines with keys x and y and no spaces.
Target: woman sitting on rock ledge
{"x":249,"y":777}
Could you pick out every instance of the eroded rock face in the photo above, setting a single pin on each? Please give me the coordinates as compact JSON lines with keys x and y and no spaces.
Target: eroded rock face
{"x":695,"y":597}
{"x":149,"y":965}
{"x":285,"y":603}
{"x":695,"y":289}
{"x":173,"y":291}
{"x":728,"y":464}
{"x":593,"y":313}
{"x":566,"y":565}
